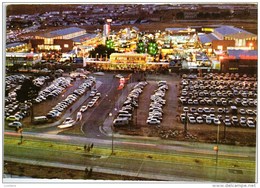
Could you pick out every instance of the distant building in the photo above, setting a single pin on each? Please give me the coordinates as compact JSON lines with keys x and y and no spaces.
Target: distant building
{"x":241,"y":61}
{"x":15,"y":58}
{"x":61,"y":40}
{"x":18,"y":47}
{"x":225,"y":38}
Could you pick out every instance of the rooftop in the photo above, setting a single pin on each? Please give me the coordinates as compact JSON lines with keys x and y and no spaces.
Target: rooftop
{"x":16,"y":44}
{"x":228,"y":30}
{"x":207,"y":38}
{"x":84,"y":37}
{"x":61,"y":32}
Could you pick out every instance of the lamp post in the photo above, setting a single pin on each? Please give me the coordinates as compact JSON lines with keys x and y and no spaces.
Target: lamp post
{"x":216,"y":149}
{"x":112,"y":138}
{"x":185,"y":124}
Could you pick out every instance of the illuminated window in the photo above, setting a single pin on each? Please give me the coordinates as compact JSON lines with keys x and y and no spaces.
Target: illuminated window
{"x":220,"y":47}
{"x":66,"y":45}
{"x":48,"y":41}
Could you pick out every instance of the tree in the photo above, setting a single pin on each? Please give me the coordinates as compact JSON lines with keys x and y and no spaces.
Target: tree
{"x":101,"y":50}
{"x":28,"y":92}
{"x":152,"y":47}
{"x":109,"y":44}
{"x":140,"y":47}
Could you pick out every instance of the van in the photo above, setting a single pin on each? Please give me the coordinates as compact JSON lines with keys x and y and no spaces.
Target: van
{"x":40,"y":119}
{"x":120,"y":122}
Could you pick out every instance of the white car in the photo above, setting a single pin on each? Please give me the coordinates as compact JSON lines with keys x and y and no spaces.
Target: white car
{"x":91,"y":103}
{"x":185,"y":109}
{"x":199,"y":119}
{"x":68,"y":120}
{"x":92,"y":93}
{"x":83,"y":108}
{"x":96,"y":98}
{"x":242,"y":111}
{"x":249,"y":112}
{"x":208,"y":120}
{"x":153,"y":121}
{"x":250,"y":124}
{"x":192,"y":119}
{"x":227,"y":122}
{"x":216,"y":121}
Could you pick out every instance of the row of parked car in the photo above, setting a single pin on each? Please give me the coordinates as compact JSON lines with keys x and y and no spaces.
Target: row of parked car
{"x":57,"y":110}
{"x":219,"y":101}
{"x":125,"y":114}
{"x":15,"y":111}
{"x":220,"y":88}
{"x":229,"y":76}
{"x":206,"y":85}
{"x":157,"y":103}
{"x":95,"y":96}
{"x":53,"y":90}
{"x":245,"y":102}
{"x":195,"y":118}
{"x":12,"y":81}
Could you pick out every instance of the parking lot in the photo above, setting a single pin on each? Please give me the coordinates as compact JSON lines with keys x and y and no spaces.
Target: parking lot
{"x":157,"y":107}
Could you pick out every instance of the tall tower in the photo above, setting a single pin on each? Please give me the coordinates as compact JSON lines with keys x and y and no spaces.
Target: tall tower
{"x":106,"y":28}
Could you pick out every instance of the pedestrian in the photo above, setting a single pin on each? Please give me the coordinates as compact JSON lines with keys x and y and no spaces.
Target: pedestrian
{"x":91,"y":146}
{"x":70,"y":109}
{"x":85,"y":147}
{"x":88,"y":149}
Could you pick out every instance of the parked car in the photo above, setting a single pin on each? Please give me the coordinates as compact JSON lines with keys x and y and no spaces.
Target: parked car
{"x":83,"y":108}
{"x":250,"y":124}
{"x":242,"y":122}
{"x":227,"y":122}
{"x":199,"y":119}
{"x":153,"y":121}
{"x":15,"y":124}
{"x":91,"y":103}
{"x":216,"y":121}
{"x":13,"y":118}
{"x":192,"y":119}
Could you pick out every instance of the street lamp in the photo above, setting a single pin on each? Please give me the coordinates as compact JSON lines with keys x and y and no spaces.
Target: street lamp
{"x":112,"y":129}
{"x":216,"y":149}
{"x":185,"y":123}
